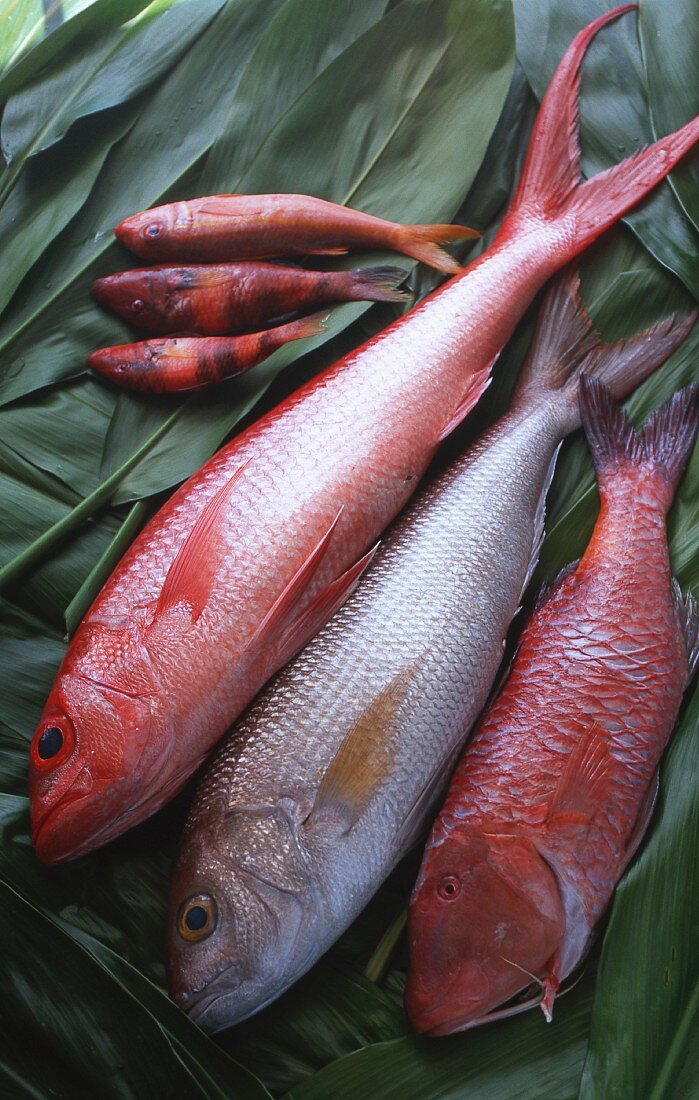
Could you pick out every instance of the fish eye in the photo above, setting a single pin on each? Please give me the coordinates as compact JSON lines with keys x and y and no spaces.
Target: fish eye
{"x":449,"y":888}
{"x":153,"y":230}
{"x":197,"y":917}
{"x":137,"y":305}
{"x":50,"y":742}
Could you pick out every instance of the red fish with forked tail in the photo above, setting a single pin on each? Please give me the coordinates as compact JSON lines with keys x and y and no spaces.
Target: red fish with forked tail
{"x":172,"y":364}
{"x":246,"y":561}
{"x":553,"y":795}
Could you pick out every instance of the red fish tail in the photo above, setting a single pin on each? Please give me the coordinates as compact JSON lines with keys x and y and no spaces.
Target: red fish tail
{"x":422,"y":242}
{"x":655,"y":455}
{"x":376,"y":284}
{"x":551,"y":187}
{"x":566,"y":347}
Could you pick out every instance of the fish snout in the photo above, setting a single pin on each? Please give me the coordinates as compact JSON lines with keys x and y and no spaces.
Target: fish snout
{"x":53,"y":818}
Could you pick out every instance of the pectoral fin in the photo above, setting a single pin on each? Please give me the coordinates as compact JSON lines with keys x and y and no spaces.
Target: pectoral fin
{"x":364,"y":760}
{"x":190,"y":578}
{"x":582,"y":787}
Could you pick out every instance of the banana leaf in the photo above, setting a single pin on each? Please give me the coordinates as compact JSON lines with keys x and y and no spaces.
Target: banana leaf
{"x":392,"y":106}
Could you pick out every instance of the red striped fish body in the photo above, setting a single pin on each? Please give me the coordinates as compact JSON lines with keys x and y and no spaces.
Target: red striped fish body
{"x":212,"y":299}
{"x":248,"y":558}
{"x":175,"y":363}
{"x":553,"y":794}
{"x":232,"y":227}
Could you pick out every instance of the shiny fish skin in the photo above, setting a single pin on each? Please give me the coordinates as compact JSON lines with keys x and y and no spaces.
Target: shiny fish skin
{"x":212,"y":299}
{"x":557,"y":786}
{"x":411,"y":657}
{"x":151,"y":682}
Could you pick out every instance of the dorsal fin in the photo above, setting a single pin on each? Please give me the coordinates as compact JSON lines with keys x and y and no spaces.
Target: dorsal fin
{"x":190,"y":578}
{"x":364,"y":759}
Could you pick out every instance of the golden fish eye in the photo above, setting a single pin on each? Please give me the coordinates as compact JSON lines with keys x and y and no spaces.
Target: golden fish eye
{"x":197,"y":917}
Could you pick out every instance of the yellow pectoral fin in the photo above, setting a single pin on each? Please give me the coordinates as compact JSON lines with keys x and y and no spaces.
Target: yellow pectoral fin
{"x":364,"y":760}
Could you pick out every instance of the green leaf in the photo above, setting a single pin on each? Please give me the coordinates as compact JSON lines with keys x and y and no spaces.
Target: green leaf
{"x":100,"y":16}
{"x":523,"y":1058}
{"x":669,"y":36}
{"x":116,"y":68}
{"x":613,"y":126}
{"x":98,"y":1037}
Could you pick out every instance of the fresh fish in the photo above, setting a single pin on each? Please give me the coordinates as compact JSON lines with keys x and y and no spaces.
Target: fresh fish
{"x":252,"y":555}
{"x":170,"y":364}
{"x":555,"y":790}
{"x":328,"y":779}
{"x":233,"y":227}
{"x":212,"y":299}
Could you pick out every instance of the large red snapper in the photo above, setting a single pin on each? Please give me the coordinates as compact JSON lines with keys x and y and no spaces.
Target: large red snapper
{"x":251,"y":555}
{"x":556,"y":788}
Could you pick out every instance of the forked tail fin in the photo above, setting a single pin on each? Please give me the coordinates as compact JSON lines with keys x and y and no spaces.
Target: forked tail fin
{"x":566,"y":347}
{"x":656,"y":454}
{"x":551,"y":187}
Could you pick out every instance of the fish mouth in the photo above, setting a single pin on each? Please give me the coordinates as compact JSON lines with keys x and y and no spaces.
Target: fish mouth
{"x":46,"y":847}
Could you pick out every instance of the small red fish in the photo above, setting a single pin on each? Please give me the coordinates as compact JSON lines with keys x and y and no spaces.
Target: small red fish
{"x":212,"y":299}
{"x":175,"y":363}
{"x":233,"y":227}
{"x":553,"y":795}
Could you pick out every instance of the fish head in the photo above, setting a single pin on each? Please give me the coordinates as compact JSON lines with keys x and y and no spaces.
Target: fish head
{"x":140,"y":296}
{"x":102,"y":740}
{"x":485,"y":918}
{"x":243,"y":914}
{"x":150,"y":233}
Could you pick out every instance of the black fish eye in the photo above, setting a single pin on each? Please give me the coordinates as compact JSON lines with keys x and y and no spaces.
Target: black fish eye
{"x":153,"y":230}
{"x":137,"y":305}
{"x":50,"y":743}
{"x":197,"y":917}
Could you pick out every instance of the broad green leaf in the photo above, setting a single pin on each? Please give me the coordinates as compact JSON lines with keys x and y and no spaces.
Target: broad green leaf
{"x":669,"y":35}
{"x":116,"y":68}
{"x":46,"y":197}
{"x":99,"y":1037}
{"x":99,"y":16}
{"x":523,"y":1058}
{"x":613,"y":126}
{"x":25,"y":22}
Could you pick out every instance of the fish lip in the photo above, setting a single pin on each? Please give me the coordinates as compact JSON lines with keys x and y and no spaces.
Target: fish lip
{"x":47,"y":820}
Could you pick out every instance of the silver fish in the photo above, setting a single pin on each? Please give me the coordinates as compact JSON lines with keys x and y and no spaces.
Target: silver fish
{"x":330,"y":777}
